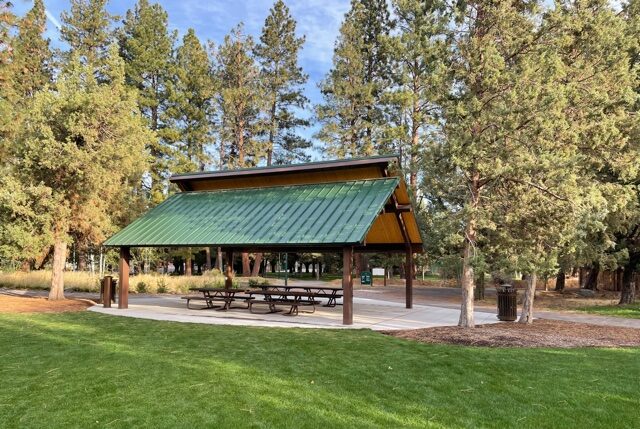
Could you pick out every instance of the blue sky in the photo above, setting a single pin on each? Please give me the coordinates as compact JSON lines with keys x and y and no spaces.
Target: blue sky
{"x":318,"y":20}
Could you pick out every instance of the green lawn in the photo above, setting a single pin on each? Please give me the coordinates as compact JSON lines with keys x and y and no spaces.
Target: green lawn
{"x":629,"y":311}
{"x":89,"y":370}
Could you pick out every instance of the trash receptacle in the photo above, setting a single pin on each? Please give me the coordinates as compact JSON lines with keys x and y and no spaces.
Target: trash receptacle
{"x":507,"y":303}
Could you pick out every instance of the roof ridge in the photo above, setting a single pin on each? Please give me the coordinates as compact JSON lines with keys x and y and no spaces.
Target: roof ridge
{"x":292,"y":185}
{"x":267,"y":168}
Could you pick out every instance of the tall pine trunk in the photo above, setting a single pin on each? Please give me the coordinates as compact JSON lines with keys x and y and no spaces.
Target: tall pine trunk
{"x":207,"y":264}
{"x":246,"y":265}
{"x":529,"y":294}
{"x":57,"y":278}
{"x":592,"y":279}
{"x":560,"y":281}
{"x":219,"y":259}
{"x":415,"y":143}
{"x":467,"y":280}
{"x":255,"y":272}
{"x":187,"y":266}
{"x":628,"y":290}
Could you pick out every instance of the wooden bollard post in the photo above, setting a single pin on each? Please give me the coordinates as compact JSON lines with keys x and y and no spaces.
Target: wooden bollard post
{"x":107,"y":284}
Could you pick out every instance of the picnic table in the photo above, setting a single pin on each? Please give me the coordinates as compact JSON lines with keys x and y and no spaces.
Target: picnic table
{"x":294,"y":299}
{"x":212,"y":294}
{"x":331,"y":293}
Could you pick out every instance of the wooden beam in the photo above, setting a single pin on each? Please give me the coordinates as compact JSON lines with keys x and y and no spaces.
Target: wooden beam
{"x":347,"y":286}
{"x":397,"y":208}
{"x":123,"y":276}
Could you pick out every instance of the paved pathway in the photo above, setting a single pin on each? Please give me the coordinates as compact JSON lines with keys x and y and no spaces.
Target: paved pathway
{"x":374,"y":308}
{"x":367,"y":313}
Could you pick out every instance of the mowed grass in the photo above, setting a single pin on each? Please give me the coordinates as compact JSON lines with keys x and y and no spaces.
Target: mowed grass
{"x":631,"y":311}
{"x":90,"y":370}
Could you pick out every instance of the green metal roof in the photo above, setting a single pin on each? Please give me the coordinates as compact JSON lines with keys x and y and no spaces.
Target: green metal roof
{"x":316,"y":214}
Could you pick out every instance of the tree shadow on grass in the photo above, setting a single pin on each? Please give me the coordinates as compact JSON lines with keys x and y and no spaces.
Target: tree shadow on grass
{"x":87,"y":368}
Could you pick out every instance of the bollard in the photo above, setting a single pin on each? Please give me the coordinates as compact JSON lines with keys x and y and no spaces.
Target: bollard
{"x":107,"y":291}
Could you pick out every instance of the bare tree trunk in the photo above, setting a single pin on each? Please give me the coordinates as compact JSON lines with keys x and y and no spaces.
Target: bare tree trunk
{"x":219,"y":259}
{"x":560,"y":281}
{"x":592,"y":279}
{"x":187,"y":266}
{"x":57,"y":278}
{"x":467,"y":280}
{"x":246,"y":266}
{"x":479,"y":291}
{"x":207,"y":264}
{"x":529,"y":294}
{"x":415,"y":144}
{"x":359,"y":264}
{"x":386,"y":274}
{"x":628,"y":291}
{"x":256,"y":265}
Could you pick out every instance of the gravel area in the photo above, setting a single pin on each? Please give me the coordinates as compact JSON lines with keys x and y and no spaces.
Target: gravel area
{"x":542,"y":333}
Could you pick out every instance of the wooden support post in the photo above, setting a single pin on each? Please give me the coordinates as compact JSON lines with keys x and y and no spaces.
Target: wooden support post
{"x":347,"y":285}
{"x":123,"y":284}
{"x":228,"y":281}
{"x":408,"y":278}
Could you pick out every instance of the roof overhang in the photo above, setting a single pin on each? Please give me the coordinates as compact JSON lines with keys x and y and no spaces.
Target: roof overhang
{"x":371,"y":215}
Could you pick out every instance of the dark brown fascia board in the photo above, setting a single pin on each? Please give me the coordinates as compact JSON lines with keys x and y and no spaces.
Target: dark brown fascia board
{"x":335,"y":248}
{"x":293,"y":168}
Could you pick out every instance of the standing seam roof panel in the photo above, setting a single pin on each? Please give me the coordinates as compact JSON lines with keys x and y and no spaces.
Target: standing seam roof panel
{"x":325,"y":213}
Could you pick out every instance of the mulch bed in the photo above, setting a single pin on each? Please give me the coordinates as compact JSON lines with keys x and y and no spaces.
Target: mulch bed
{"x":542,"y":333}
{"x":25,"y":304}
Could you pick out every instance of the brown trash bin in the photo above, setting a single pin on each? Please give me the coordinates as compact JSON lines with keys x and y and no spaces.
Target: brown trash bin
{"x":507,"y":303}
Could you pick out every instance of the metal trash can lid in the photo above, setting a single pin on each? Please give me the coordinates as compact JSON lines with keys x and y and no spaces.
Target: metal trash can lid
{"x":506,"y":288}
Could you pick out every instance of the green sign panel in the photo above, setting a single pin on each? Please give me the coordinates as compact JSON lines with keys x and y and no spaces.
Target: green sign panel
{"x":365,"y":278}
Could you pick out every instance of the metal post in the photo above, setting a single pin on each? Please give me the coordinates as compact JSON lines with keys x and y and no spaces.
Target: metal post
{"x":123,"y":274}
{"x":408,"y":278}
{"x":347,"y":286}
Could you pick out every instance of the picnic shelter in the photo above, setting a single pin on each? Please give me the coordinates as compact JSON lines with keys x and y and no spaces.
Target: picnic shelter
{"x":346,"y":206}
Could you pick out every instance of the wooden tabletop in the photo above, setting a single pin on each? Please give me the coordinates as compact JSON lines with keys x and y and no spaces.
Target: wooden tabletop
{"x":303,"y":287}
{"x":279,"y":292}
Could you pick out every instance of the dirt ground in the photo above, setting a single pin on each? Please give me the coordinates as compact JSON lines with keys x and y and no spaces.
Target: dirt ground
{"x":542,"y":333}
{"x":23,"y":304}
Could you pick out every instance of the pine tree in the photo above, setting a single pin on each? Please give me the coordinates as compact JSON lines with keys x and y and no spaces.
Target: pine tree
{"x":601,"y":62}
{"x":32,"y":56}
{"x":282,"y":80}
{"x":147,"y":48}
{"x":238,"y":101}
{"x":7,"y":21}
{"x":352,"y":116}
{"x":419,"y":55}
{"x":87,"y":30}
{"x":193,"y":94}
{"x":504,"y":151}
{"x":7,"y":94}
{"x":74,"y":137}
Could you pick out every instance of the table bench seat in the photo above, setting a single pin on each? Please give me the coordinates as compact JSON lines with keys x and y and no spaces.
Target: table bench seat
{"x":294,"y":304}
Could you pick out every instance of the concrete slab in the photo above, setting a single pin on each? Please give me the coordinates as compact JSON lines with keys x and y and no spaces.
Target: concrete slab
{"x":368,"y":314}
